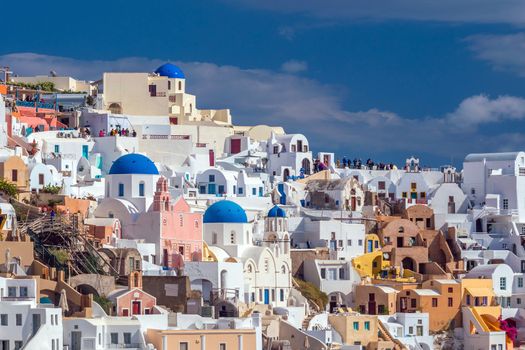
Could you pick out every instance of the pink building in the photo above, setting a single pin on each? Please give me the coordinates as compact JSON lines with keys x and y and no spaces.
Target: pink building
{"x":181,"y":230}
{"x":133,"y":300}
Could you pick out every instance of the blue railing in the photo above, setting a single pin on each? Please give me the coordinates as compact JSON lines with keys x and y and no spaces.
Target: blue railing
{"x":35,"y":104}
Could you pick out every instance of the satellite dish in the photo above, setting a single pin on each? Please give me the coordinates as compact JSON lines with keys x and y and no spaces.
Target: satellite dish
{"x":199,"y":324}
{"x":53,"y":73}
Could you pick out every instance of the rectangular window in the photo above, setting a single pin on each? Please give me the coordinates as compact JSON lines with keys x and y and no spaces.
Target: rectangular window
{"x":114,"y":338}
{"x":183,"y":346}
{"x":434,"y":302}
{"x":518,"y":301}
{"x":11,"y":292}
{"x":254,"y":191}
{"x":413,"y":186}
{"x":411,"y":330}
{"x":211,"y":178}
{"x":141,"y":190}
{"x":18,"y":344}
{"x":520,"y":282}
{"x":413,"y":303}
{"x":349,"y":242}
{"x":505,"y":203}
{"x":323,"y":273}
{"x":367,"y":325}
{"x":341,"y":274}
{"x":152,"y":90}
{"x":23,"y":292}
{"x":57,"y":148}
{"x":450,"y":302}
{"x":127,"y":338}
{"x":222,"y":346}
{"x":503,"y":283}
{"x":3,"y":319}
{"x":468,"y":299}
{"x":18,"y":319}
{"x":404,"y":195}
{"x":381,"y":185}
{"x":281,"y":294}
{"x":241,"y":190}
{"x":360,"y":242}
{"x":450,"y":289}
{"x":356,"y":326}
{"x":121,"y":190}
{"x":41,"y":179}
{"x":221,"y":189}
{"x":202,"y":189}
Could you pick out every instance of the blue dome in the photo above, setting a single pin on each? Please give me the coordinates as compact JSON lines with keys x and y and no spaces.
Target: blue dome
{"x":133,"y":163}
{"x":276,"y":212}
{"x":225,"y":211}
{"x":171,"y":71}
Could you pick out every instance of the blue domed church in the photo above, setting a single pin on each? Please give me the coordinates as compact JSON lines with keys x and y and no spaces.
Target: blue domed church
{"x":266,"y":265}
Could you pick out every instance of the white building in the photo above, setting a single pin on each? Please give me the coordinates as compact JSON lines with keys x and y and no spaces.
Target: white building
{"x":410,"y":328}
{"x":220,"y":182}
{"x":24,"y":323}
{"x":496,"y":181}
{"x":266,"y":266}
{"x":288,"y":155}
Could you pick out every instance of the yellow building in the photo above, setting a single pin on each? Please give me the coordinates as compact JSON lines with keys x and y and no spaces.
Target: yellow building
{"x":14,"y":170}
{"x":357,"y":329}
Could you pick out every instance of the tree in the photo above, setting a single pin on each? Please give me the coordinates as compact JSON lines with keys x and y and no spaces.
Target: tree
{"x":8,"y":188}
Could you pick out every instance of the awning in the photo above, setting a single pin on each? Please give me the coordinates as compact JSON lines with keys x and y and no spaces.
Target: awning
{"x":480,"y":292}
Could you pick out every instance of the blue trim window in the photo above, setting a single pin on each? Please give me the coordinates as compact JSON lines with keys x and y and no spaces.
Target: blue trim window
{"x":241,"y":190}
{"x":141,"y":189}
{"x":211,"y":178}
{"x":121,"y":190}
{"x":57,"y":148}
{"x":202,"y":189}
{"x":254,"y":191}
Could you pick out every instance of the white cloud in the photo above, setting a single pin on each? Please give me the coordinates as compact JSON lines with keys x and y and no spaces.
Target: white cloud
{"x":258,"y":96}
{"x":472,"y":11}
{"x":503,"y":52}
{"x":294,"y":66}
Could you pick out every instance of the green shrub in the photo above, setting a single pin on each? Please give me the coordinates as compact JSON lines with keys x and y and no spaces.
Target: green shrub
{"x":8,"y":188}
{"x":104,"y":303}
{"x":51,"y":189}
{"x":312,"y":293}
{"x":61,"y":255}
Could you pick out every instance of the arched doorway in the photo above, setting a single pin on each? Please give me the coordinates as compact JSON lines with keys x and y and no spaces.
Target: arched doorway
{"x":409,"y":264}
{"x":306,"y":166}
{"x":115,"y":108}
{"x":204,"y":286}
{"x":87,"y":289}
{"x":286,"y":174}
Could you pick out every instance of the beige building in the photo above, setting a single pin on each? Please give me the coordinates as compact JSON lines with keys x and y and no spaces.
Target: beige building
{"x":202,"y":339}
{"x":356,"y":329}
{"x":61,"y":83}
{"x":162,"y":93}
{"x":14,"y":170}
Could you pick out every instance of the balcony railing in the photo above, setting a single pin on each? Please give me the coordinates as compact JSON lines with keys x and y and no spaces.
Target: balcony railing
{"x":17,"y":298}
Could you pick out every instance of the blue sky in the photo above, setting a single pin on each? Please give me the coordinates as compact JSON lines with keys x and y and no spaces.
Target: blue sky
{"x":379,"y":78}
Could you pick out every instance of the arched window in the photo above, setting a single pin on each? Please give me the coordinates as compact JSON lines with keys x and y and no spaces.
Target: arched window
{"x":180,"y":85}
{"x":401,"y":229}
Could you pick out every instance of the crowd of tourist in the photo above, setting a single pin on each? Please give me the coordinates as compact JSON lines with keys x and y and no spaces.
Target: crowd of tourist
{"x":117,"y":131}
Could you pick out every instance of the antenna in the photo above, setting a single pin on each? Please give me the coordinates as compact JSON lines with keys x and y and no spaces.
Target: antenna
{"x":53,"y":73}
